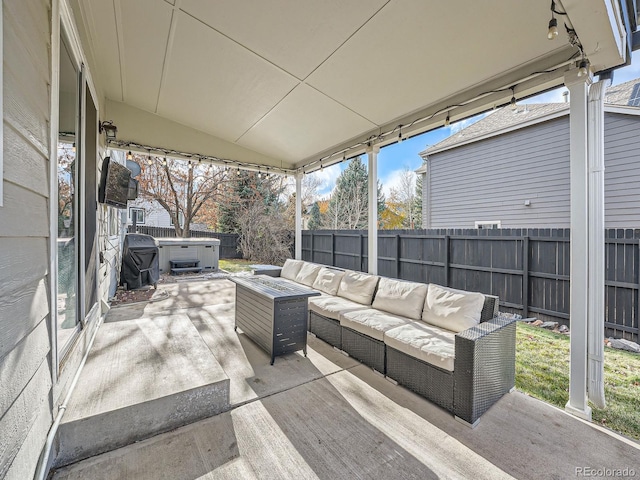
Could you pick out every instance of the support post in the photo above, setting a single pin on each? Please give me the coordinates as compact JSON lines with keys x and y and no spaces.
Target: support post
{"x":298,"y":233}
{"x":578,"y":91}
{"x":372,"y":154}
{"x":595,"y":315}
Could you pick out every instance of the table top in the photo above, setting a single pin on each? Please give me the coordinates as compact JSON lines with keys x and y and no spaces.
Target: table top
{"x":274,"y":287}
{"x":265,"y":267}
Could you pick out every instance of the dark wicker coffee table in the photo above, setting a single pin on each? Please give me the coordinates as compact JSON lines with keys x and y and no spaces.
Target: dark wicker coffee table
{"x":273,"y":313}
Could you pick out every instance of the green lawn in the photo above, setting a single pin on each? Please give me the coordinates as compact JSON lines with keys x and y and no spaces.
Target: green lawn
{"x":542,"y":371}
{"x":235,"y":265}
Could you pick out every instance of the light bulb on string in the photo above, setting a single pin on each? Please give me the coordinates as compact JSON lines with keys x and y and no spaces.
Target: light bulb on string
{"x":129,"y":155}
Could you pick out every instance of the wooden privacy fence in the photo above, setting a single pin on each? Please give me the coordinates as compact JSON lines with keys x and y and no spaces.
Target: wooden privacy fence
{"x":527,"y":268}
{"x":228,"y":241}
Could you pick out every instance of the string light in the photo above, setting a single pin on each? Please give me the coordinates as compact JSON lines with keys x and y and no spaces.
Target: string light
{"x":447,"y":121}
{"x":514,"y":106}
{"x":164,"y":162}
{"x":190,"y":164}
{"x":553,"y":23}
{"x":583,"y":68}
{"x":129,"y":155}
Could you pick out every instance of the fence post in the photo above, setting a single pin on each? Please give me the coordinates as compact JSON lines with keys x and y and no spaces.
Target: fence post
{"x":360,"y":256}
{"x":525,"y":276}
{"x":447,"y":253}
{"x":311,"y":259}
{"x":333,"y":249}
{"x":397,"y":256}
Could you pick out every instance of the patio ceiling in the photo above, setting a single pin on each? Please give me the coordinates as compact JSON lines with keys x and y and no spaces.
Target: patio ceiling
{"x":286,"y":82}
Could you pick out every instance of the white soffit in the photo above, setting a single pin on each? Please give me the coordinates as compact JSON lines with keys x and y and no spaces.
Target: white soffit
{"x":295,"y":35}
{"x":146,"y":23}
{"x":299,"y":78}
{"x":303,"y":111}
{"x":215,"y":85}
{"x":420,"y":52}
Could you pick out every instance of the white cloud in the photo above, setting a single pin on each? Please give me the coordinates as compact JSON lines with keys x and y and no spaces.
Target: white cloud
{"x":393,"y":179}
{"x":327,"y":178}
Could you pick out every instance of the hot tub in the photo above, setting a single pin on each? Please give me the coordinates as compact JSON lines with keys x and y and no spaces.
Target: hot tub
{"x":206,"y":250}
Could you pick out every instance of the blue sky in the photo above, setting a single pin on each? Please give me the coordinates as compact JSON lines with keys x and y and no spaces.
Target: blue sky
{"x":394,"y":158}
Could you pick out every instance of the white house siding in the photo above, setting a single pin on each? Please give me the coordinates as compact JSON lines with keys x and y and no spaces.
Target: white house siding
{"x":622,"y":170}
{"x":489,"y":180}
{"x":25,"y":374}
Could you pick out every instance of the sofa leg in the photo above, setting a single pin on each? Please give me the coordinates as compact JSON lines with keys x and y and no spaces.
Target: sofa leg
{"x":341,"y":351}
{"x":391,"y":380}
{"x":470,"y":425}
{"x":377,"y":372}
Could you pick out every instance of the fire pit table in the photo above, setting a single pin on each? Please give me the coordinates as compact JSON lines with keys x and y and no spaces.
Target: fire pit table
{"x":273,"y":313}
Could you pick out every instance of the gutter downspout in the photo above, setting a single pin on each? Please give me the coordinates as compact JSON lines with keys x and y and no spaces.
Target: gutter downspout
{"x":41,"y":468}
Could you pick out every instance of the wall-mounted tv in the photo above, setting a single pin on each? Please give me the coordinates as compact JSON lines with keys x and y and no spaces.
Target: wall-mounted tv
{"x":114,"y":184}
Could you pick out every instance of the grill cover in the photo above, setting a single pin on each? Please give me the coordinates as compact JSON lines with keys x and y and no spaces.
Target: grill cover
{"x":140,"y":261}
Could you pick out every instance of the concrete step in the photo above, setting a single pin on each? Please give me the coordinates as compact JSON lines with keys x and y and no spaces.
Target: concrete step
{"x":143,"y":376}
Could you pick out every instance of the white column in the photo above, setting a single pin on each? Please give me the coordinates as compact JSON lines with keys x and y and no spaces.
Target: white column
{"x":372,"y":154}
{"x":299,"y":216}
{"x":595,"y":314}
{"x":578,"y":90}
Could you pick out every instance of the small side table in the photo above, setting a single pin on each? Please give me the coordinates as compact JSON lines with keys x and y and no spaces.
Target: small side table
{"x":271,"y":270}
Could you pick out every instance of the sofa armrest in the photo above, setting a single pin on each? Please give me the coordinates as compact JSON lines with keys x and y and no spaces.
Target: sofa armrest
{"x":484,"y":368}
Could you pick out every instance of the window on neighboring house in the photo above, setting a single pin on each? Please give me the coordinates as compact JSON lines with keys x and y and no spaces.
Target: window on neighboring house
{"x":137,"y":215}
{"x":488,"y":224}
{"x":634,"y":99}
{"x":180,"y":219}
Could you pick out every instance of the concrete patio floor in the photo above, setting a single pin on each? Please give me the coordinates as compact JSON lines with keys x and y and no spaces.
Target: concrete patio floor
{"x":327,"y":416}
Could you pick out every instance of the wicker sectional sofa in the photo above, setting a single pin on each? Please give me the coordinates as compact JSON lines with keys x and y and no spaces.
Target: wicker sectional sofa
{"x":444,"y":344}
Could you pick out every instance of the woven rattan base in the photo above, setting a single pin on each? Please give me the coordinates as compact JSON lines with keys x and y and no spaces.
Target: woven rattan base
{"x":431,"y":382}
{"x":366,"y":349}
{"x":326,"y":329}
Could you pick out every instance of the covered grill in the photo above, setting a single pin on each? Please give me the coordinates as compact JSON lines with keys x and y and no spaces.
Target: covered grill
{"x":140,"y":261}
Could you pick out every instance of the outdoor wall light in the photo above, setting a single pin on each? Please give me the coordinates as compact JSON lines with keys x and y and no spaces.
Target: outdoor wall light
{"x":108,"y":128}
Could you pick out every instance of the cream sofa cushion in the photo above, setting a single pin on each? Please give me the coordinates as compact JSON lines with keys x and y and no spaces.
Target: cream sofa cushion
{"x":455,"y":310}
{"x":402,"y":298}
{"x":308,"y":273}
{"x":331,"y":307}
{"x":358,"y":287}
{"x":328,"y":280}
{"x":371,"y":322}
{"x":291,"y":268}
{"x":425,"y":342}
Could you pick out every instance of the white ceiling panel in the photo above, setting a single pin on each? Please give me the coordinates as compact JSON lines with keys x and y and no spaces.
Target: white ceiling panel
{"x":100,"y":20}
{"x":146,"y":26}
{"x":297,"y":35}
{"x":299,"y":126}
{"x":421,"y":51}
{"x":215,"y":85}
{"x":301,"y":79}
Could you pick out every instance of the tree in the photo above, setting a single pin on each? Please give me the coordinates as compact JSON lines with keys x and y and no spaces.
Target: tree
{"x":181,"y":188}
{"x":349,"y":202}
{"x":404,"y":197}
{"x":315,"y":220}
{"x":417,"y":203}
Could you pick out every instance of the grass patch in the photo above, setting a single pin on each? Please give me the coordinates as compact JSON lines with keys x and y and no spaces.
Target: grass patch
{"x":542,"y":371}
{"x":235,"y":265}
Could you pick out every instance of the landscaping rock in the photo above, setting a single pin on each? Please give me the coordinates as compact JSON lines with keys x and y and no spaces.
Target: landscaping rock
{"x":622,"y":344}
{"x":517,"y":316}
{"x":549,"y":325}
{"x":537,"y":323}
{"x":563,"y":329}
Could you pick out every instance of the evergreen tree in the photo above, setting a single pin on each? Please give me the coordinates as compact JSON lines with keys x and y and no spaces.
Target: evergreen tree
{"x":349,"y":201}
{"x":315,"y":220}
{"x":417,"y":203}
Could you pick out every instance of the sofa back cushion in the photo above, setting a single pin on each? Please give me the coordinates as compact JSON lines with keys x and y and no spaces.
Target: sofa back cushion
{"x":291,"y":268}
{"x":328,"y":280}
{"x":455,"y":310}
{"x":358,"y":287}
{"x":401,"y":298}
{"x":308,"y":273}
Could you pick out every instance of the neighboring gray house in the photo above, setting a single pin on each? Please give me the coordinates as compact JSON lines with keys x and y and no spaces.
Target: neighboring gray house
{"x":511,"y":168}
